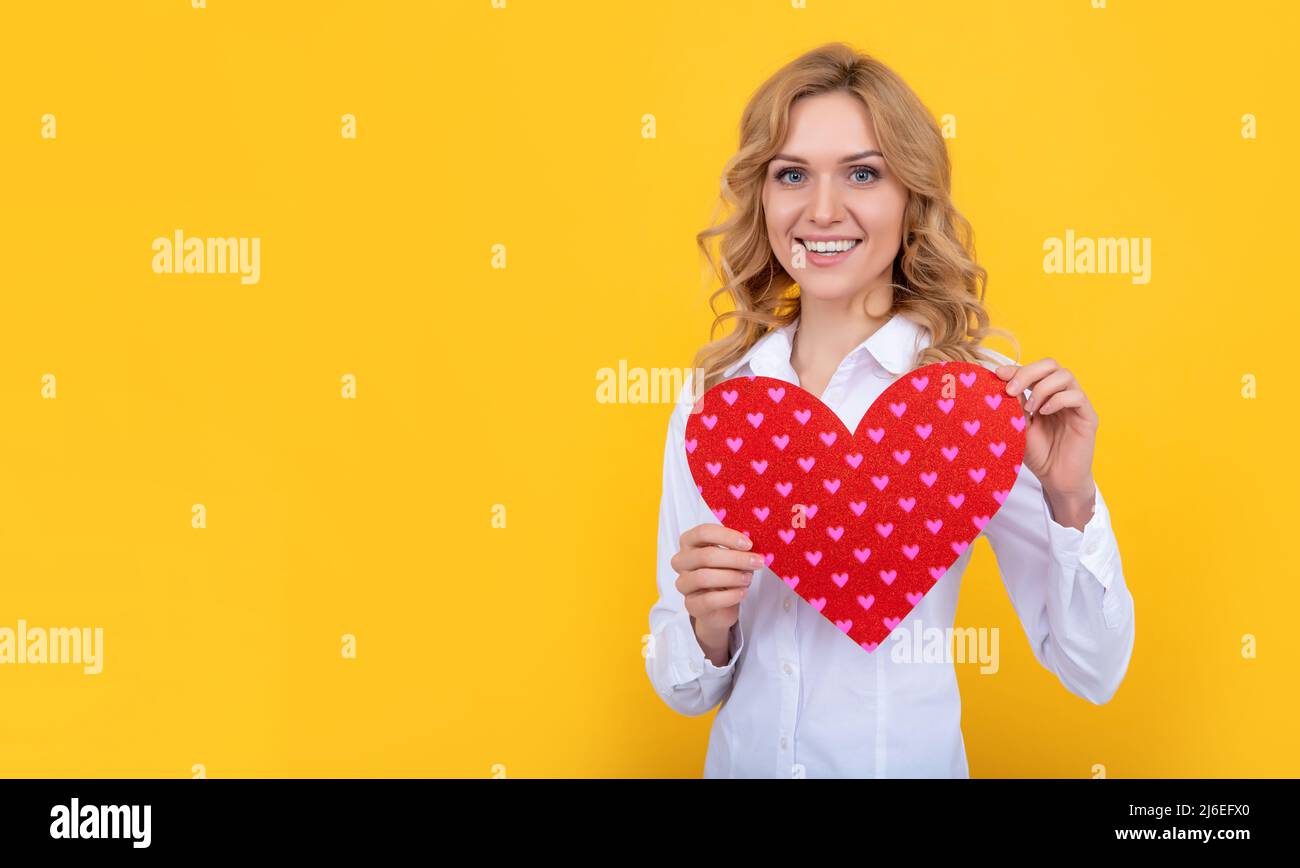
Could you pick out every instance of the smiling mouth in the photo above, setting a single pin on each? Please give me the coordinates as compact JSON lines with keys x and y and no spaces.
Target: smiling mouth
{"x":829,"y":249}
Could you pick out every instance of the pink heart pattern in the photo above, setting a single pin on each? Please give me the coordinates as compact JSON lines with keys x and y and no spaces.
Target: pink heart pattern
{"x":859,"y":525}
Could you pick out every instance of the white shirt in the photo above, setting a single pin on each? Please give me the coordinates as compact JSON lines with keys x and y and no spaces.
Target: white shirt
{"x":798,"y":700}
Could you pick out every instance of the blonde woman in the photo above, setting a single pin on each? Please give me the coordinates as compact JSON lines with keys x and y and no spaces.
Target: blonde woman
{"x":842,"y":186}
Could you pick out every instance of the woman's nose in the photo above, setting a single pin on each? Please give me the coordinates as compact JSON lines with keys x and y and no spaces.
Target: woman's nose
{"x":826,"y":202}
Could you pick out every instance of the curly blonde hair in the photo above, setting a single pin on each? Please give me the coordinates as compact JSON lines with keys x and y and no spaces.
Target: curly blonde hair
{"x":936,"y":280}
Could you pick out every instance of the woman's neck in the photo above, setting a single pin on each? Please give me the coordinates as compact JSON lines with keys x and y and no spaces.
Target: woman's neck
{"x":829,"y":330}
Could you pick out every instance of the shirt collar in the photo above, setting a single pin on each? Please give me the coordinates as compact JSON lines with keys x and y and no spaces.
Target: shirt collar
{"x":777,"y":344}
{"x":894,"y":345}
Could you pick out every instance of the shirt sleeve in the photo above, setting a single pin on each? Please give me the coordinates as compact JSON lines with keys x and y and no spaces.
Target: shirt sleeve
{"x":679,"y":670}
{"x":1067,"y":587}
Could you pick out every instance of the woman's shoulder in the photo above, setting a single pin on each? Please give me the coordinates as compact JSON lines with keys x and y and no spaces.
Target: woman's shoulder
{"x":686,"y":401}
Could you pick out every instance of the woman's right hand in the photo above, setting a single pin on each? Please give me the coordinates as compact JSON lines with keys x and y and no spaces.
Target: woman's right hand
{"x":714,"y":570}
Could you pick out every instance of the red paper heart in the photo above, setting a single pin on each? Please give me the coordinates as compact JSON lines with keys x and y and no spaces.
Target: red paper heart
{"x":863,"y":525}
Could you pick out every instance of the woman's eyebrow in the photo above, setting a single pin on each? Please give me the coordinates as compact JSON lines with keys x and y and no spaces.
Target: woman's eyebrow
{"x":849,"y":159}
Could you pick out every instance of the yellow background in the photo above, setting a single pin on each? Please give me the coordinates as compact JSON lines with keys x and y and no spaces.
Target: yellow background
{"x":520,"y":647}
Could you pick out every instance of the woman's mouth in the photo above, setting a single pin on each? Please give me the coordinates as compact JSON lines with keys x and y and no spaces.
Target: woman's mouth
{"x":825,"y":253}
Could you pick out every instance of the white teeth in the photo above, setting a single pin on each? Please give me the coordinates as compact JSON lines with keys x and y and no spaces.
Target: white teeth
{"x":830,"y":246}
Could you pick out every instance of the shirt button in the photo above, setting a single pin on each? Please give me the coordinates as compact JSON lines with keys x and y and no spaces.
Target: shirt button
{"x":787,"y":668}
{"x":784,"y":743}
{"x":786,"y":604}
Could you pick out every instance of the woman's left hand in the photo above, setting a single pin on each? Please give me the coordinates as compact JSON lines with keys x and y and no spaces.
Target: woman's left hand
{"x":1060,"y":436}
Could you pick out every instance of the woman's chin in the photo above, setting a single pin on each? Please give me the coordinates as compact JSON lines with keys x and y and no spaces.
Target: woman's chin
{"x":827,"y":290}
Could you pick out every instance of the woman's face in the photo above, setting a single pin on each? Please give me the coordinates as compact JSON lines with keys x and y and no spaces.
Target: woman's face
{"x":829,"y":181}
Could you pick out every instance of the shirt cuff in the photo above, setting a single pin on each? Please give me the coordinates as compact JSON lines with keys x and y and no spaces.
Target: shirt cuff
{"x":688,"y":659}
{"x":1093,"y":548}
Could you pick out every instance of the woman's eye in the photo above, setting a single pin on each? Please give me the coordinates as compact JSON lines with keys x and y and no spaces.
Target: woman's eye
{"x":785,"y":175}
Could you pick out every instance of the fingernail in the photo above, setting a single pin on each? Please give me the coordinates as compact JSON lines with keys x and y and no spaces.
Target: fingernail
{"x":745,"y":542}
{"x":756,"y":561}
{"x":1011,"y":390}
{"x":749,"y":577}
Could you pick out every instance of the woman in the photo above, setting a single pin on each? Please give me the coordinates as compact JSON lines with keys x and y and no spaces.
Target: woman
{"x":842,"y":185}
